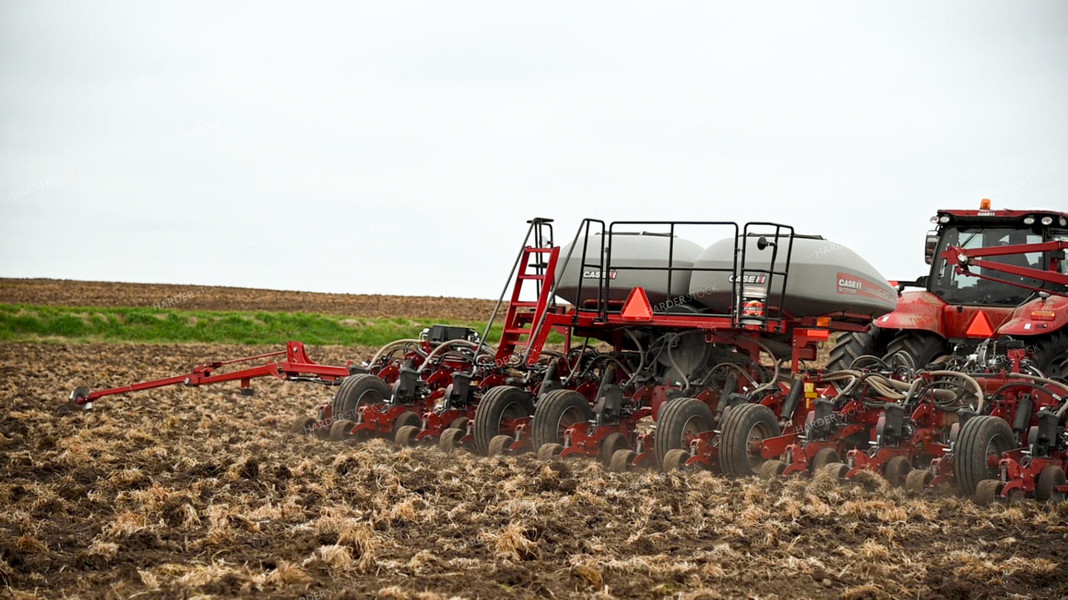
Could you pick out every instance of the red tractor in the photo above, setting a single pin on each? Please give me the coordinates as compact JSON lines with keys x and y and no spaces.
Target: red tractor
{"x":994,"y":274}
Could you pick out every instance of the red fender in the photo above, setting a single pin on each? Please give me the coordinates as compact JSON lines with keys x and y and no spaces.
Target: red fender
{"x":1023,"y":321}
{"x":915,"y":311}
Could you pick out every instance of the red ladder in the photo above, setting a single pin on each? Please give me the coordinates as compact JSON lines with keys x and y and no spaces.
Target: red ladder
{"x":523,"y":315}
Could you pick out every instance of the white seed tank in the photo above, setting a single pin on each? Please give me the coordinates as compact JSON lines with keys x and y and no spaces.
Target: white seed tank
{"x":648,"y":251}
{"x":824,"y":278}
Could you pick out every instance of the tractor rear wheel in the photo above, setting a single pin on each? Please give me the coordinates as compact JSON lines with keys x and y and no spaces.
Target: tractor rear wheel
{"x":1049,"y":480}
{"x":612,"y":443}
{"x":557,"y":411}
{"x":744,"y":428}
{"x":1051,"y":356}
{"x":501,"y":403}
{"x":680,"y":419}
{"x":981,"y":441}
{"x":356,"y":391}
{"x":915,"y":349}
{"x":851,"y":345}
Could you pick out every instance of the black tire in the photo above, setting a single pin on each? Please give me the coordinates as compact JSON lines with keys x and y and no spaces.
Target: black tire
{"x":772,"y":469}
{"x":1051,"y":355}
{"x":678,"y":418}
{"x":675,"y":459}
{"x":822,"y":458}
{"x":835,"y":470}
{"x":917,"y":481}
{"x":302,"y":425}
{"x":980,"y":437}
{"x":500,"y":403}
{"x":612,"y":443}
{"x":896,"y":470}
{"x":450,"y":440}
{"x":499,"y":445}
{"x":851,"y":345}
{"x":986,"y":491}
{"x":407,"y":418}
{"x":405,"y":435}
{"x":557,"y":411}
{"x":459,"y":423}
{"x":744,"y":426}
{"x":549,"y":451}
{"x":1048,"y":480}
{"x":339,"y":431}
{"x":915,"y":349}
{"x":355,"y":391}
{"x":620,"y":462}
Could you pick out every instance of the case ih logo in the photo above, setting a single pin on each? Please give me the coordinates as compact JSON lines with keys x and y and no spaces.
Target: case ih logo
{"x":851,"y":284}
{"x":751,"y":278}
{"x":596,"y":274}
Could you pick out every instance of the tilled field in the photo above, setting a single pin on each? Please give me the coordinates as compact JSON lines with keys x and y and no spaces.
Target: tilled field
{"x":201,"y":492}
{"x":192,"y":297}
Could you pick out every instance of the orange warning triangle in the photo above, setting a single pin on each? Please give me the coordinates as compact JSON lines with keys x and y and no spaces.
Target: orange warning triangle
{"x":637,"y":307}
{"x":980,"y":327}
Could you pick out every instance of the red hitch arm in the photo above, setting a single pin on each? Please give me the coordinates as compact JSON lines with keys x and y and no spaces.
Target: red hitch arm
{"x":297,"y":366}
{"x":965,"y":259}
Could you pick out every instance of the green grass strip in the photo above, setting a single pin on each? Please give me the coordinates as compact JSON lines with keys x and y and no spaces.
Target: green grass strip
{"x":20,"y":322}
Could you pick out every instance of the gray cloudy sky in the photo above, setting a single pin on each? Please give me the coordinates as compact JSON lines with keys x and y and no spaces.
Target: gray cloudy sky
{"x":394,"y":147}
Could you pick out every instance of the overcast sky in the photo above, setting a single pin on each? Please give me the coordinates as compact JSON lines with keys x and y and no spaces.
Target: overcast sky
{"x":393,"y":147}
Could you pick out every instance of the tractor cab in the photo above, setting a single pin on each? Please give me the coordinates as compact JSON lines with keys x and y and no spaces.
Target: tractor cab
{"x":994,"y":273}
{"x":971,"y":230}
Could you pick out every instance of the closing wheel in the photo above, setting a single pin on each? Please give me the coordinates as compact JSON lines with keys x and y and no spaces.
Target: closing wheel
{"x":986,"y":491}
{"x":918,"y":480}
{"x":499,"y":445}
{"x":557,"y":411}
{"x":407,"y":418}
{"x":675,"y":459}
{"x":835,"y":470}
{"x":302,"y":424}
{"x":450,"y":439}
{"x":356,"y":391}
{"x":982,"y":441}
{"x":612,"y":443}
{"x":896,"y":470}
{"x":339,"y":431}
{"x":549,"y":451}
{"x":621,"y":460}
{"x":772,"y":469}
{"x":500,"y":404}
{"x":744,"y":429}
{"x":405,"y":435}
{"x":822,"y":458}
{"x":1048,"y":481}
{"x":459,"y":423}
{"x":679,"y":420}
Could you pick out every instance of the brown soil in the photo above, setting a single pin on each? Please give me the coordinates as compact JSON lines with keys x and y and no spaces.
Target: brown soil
{"x":183,"y":492}
{"x":192,"y":297}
